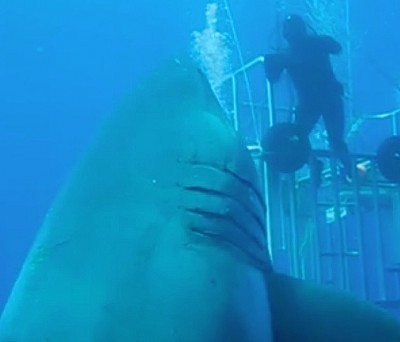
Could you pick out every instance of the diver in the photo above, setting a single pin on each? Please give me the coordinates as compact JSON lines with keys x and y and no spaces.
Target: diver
{"x":319,"y":93}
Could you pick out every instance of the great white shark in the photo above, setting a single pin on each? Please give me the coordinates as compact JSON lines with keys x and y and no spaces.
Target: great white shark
{"x":159,"y":236}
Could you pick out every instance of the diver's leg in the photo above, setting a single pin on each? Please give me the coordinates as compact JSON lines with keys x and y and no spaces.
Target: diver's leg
{"x":306,"y":117}
{"x":334,"y":120}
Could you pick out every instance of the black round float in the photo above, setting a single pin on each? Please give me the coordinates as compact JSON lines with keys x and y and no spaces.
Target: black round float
{"x":388,"y":158}
{"x":285,"y":148}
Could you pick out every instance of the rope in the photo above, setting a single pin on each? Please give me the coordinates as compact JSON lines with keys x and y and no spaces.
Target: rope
{"x":242,"y":68}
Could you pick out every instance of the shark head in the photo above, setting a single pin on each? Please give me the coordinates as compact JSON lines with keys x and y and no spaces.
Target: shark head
{"x":158,"y":235}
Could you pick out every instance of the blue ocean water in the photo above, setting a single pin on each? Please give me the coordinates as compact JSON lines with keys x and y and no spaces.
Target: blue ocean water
{"x":64,"y":65}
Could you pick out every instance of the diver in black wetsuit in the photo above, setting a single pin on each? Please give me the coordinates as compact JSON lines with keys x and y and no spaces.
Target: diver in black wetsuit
{"x":307,"y":61}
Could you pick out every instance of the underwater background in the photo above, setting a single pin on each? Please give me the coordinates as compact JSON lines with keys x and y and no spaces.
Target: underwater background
{"x":64,"y":65}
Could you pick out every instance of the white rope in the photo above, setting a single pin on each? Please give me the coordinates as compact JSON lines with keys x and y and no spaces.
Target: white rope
{"x":243,"y":69}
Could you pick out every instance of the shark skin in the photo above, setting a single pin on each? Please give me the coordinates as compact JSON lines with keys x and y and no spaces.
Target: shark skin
{"x":158,"y":235}
{"x":306,"y":312}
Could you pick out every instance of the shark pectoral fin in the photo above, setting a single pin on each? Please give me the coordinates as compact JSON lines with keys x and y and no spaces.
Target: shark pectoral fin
{"x":307,"y":312}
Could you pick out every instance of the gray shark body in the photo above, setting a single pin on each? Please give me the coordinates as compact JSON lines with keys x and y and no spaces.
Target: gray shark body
{"x":158,"y":236}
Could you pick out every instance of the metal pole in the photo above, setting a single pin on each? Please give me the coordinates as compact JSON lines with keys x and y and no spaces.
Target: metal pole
{"x":360,"y":231}
{"x":342,"y":252}
{"x":315,"y":243}
{"x":395,"y":125}
{"x":235,"y":107}
{"x":272,"y":178}
{"x":293,"y":226}
{"x":270,"y":104}
{"x":349,"y":49}
{"x":379,"y":243}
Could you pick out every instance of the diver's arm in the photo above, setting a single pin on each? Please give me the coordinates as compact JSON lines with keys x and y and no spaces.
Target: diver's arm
{"x":274,"y":65}
{"x":330,"y":45}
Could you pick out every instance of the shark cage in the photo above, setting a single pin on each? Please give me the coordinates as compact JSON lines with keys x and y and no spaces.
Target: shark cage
{"x":344,"y":234}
